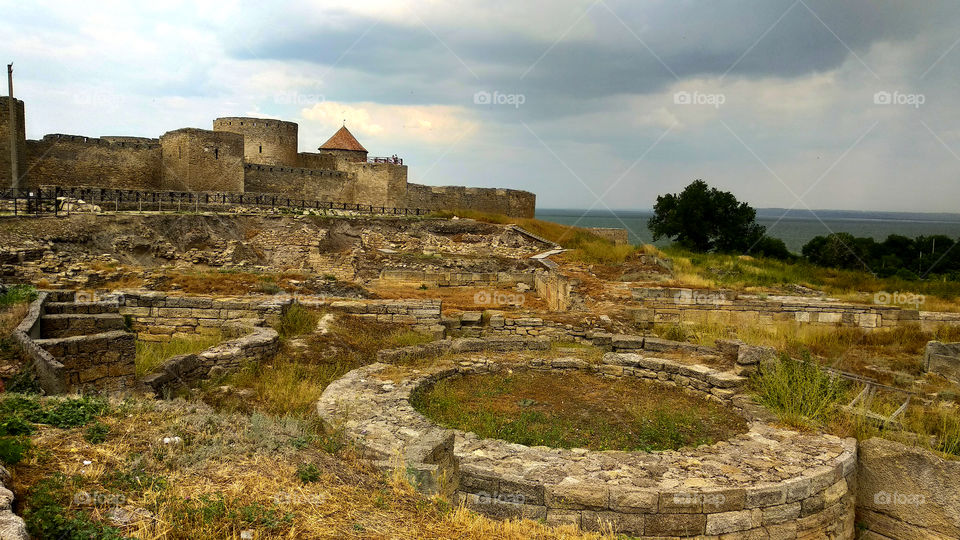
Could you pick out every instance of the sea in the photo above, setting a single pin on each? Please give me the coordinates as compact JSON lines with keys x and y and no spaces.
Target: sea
{"x":794,"y":227}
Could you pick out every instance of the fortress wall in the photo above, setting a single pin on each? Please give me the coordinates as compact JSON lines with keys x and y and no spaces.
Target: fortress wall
{"x":614,"y":234}
{"x":508,"y":202}
{"x":202,"y":160}
{"x":5,"y":141}
{"x":379,"y":184}
{"x":265,"y":141}
{"x":310,"y":184}
{"x":75,"y":160}
{"x":313,"y":160}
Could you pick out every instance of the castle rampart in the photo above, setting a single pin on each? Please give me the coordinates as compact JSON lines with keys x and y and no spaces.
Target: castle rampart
{"x":265,"y":141}
{"x":75,"y":160}
{"x":21,"y":139}
{"x":509,"y":202}
{"x":202,"y":160}
{"x":240,"y":154}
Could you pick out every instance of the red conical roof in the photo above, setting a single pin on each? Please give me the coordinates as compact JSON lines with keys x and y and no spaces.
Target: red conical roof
{"x":343,"y":140}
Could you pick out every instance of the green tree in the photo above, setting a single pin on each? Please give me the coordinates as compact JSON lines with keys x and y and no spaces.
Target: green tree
{"x":701,"y":218}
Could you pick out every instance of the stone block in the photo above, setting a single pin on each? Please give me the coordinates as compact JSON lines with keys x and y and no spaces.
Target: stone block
{"x":675,"y":524}
{"x":633,"y":500}
{"x":575,"y":494}
{"x":728,"y":522}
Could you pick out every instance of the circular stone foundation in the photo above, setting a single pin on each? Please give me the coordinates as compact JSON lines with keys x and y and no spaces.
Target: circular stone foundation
{"x":767,"y":482}
{"x":576,"y":409}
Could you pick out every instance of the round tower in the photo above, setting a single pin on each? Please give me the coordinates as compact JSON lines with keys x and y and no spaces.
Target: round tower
{"x":265,"y":141}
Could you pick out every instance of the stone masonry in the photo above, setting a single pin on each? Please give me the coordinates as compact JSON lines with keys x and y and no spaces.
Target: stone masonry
{"x":767,"y":483}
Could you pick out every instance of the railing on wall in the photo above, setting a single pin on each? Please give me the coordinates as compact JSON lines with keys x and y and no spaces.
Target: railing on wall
{"x":59,"y":200}
{"x":381,"y":159}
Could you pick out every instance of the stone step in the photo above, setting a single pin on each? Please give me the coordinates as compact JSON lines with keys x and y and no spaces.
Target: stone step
{"x":60,"y":308}
{"x":73,"y":324}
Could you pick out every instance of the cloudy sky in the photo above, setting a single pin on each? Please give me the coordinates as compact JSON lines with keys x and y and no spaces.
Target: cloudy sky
{"x":605,"y":104}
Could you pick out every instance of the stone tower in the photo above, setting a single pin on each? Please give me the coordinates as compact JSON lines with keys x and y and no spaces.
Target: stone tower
{"x":20,"y":137}
{"x":265,"y":141}
{"x":344,"y":145}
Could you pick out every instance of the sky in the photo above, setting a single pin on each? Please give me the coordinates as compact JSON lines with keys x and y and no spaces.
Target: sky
{"x":603,"y":104}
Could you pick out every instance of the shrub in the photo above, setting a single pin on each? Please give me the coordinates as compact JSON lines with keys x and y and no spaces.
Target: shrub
{"x":16,"y":294}
{"x":63,"y":413}
{"x":799,"y":392}
{"x":15,"y":425}
{"x":96,"y":433}
{"x":308,"y":472}
{"x":12,"y":449}
{"x":48,"y":516}
{"x":74,"y":412}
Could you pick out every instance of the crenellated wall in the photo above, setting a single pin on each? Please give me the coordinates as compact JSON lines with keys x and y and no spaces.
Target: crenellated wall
{"x":509,"y":202}
{"x":265,"y":141}
{"x":75,"y":160}
{"x":310,"y":184}
{"x":202,"y":160}
{"x":240,"y":154}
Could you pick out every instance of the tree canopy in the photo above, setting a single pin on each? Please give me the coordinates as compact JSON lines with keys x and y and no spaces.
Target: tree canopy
{"x":701,"y":218}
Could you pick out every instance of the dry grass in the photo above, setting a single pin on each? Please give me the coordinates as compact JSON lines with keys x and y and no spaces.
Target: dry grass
{"x":464,"y":298}
{"x":584,"y":245}
{"x":576,"y":410}
{"x":880,"y":353}
{"x":745,"y":272}
{"x":234,"y":473}
{"x":152,"y":354}
{"x":293,"y":381}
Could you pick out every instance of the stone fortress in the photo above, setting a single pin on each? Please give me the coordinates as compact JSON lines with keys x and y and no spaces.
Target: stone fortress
{"x":239,"y":155}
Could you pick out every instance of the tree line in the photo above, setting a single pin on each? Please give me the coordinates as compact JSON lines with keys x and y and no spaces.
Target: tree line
{"x":704,"y":219}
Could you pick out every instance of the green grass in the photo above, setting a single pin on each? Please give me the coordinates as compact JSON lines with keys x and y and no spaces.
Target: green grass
{"x":296,"y":320}
{"x":17,"y":294}
{"x":576,"y":411}
{"x":291,"y":383}
{"x":584,"y":245}
{"x":741,"y":272}
{"x":801,"y":393}
{"x":152,"y":354}
{"x":48,"y":512}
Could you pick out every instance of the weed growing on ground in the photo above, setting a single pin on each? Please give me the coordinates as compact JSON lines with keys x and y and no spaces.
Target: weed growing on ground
{"x":152,"y":354}
{"x":13,"y":449}
{"x":17,"y":294}
{"x":296,"y":320}
{"x":800,"y":392}
{"x":96,"y":433}
{"x":576,"y":410}
{"x":308,"y":472}
{"x":48,"y":512}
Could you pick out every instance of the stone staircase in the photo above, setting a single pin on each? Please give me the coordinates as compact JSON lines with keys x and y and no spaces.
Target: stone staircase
{"x":89,"y":339}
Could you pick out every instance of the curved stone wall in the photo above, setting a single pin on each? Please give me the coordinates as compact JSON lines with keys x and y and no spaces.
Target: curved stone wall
{"x":766,"y":483}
